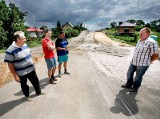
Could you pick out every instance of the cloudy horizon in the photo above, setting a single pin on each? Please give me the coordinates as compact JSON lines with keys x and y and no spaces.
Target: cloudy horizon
{"x":93,"y":14}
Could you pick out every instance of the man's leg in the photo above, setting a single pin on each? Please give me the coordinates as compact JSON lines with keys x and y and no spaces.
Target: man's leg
{"x":130,"y":74}
{"x":53,"y":69}
{"x":53,"y":72}
{"x":24,"y":86}
{"x":139,"y":75}
{"x":49,"y":73}
{"x":65,"y":64}
{"x":34,"y":81}
{"x":65,"y":68}
{"x":50,"y":64}
{"x":59,"y":69}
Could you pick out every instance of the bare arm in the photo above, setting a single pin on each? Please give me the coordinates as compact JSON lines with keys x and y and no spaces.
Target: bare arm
{"x":59,"y":48}
{"x":154,"y":57}
{"x":11,"y":68}
{"x":51,"y":47}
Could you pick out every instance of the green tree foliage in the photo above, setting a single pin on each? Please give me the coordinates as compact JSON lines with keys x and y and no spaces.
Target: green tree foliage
{"x":79,"y":28}
{"x":43,"y":28}
{"x":4,"y":17}
{"x":72,"y":33}
{"x":59,"y":26}
{"x":113,"y":24}
{"x":147,"y":25}
{"x":140,"y":23}
{"x":131,"y":21}
{"x":11,"y":20}
{"x":155,"y":25}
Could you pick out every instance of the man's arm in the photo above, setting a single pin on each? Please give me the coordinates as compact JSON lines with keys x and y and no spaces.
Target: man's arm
{"x":11,"y":68}
{"x":51,"y":47}
{"x":59,"y":48}
{"x":154,"y":57}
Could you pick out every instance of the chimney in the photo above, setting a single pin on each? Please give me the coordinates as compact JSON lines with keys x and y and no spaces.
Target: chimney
{"x":120,"y":23}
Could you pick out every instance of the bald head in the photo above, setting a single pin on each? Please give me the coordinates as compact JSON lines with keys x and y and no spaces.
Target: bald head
{"x":145,"y":33}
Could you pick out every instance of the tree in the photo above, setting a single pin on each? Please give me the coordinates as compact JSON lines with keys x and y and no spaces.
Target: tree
{"x":59,"y":27}
{"x":81,"y":25}
{"x":43,"y":28}
{"x":147,"y":25}
{"x":16,"y":21}
{"x":113,"y":24}
{"x":4,"y":17}
{"x":11,"y":20}
{"x":131,"y":21}
{"x":140,"y":23}
{"x":155,"y":25}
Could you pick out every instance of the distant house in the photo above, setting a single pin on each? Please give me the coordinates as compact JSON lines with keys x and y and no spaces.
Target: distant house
{"x":35,"y":32}
{"x":67,"y":26}
{"x":126,"y":28}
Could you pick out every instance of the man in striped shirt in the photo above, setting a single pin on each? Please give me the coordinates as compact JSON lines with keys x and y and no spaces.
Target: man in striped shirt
{"x":145,"y":53}
{"x":18,"y":57}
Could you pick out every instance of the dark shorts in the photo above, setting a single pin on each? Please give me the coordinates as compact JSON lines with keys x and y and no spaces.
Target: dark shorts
{"x":51,"y":63}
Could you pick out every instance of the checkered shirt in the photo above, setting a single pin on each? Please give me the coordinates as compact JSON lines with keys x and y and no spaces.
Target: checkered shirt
{"x":143,"y":52}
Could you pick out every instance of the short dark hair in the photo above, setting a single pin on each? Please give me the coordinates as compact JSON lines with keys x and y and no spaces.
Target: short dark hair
{"x":15,"y":37}
{"x":61,"y":32}
{"x":47,"y":30}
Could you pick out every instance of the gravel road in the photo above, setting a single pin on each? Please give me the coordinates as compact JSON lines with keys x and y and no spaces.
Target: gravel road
{"x":98,"y":68}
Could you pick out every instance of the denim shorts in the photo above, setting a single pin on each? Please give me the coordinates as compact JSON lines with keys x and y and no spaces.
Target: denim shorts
{"x":63,"y":58}
{"x":51,"y":62}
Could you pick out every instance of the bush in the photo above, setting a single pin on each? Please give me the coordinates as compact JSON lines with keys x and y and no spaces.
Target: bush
{"x":72,"y":33}
{"x":34,"y":42}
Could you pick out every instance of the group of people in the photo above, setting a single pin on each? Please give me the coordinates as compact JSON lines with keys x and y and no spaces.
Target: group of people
{"x":22,"y":67}
{"x":18,"y":57}
{"x":48,"y":47}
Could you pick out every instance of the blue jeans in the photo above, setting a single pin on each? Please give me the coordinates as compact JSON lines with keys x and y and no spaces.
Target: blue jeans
{"x":140,"y":71}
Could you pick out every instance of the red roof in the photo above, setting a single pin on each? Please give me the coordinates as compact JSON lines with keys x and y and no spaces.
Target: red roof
{"x":34,"y":29}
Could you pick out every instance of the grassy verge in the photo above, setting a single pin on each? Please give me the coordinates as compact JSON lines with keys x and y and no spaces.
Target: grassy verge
{"x":127,"y":39}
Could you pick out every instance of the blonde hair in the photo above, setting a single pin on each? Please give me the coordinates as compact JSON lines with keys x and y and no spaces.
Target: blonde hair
{"x":147,"y":30}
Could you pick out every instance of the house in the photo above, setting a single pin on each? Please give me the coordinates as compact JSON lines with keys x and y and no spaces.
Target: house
{"x":67,"y":26}
{"x":35,"y":32}
{"x":126,"y":28}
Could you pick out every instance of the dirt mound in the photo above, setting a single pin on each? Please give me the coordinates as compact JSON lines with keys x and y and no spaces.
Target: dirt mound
{"x":6,"y":76}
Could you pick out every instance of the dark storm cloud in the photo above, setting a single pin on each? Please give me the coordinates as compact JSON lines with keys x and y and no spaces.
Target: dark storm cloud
{"x":95,"y":14}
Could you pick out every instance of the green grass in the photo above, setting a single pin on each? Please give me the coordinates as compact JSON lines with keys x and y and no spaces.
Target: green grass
{"x":34,"y":42}
{"x":2,"y":51}
{"x":126,"y":39}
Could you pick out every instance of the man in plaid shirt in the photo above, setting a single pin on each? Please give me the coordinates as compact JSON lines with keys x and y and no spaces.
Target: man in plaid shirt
{"x":145,"y":53}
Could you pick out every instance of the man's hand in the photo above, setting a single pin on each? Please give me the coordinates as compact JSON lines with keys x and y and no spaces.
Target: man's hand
{"x":12,"y":69}
{"x":17,"y":79}
{"x":51,"y":47}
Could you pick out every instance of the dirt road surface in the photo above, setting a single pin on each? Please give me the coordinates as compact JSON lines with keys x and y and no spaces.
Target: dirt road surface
{"x":98,"y":68}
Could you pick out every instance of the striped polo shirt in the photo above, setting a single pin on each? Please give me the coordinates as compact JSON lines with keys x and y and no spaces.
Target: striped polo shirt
{"x":143,"y":52}
{"x":21,"y":58}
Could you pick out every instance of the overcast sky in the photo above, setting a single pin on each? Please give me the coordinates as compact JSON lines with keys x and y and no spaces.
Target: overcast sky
{"x":95,"y":14}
